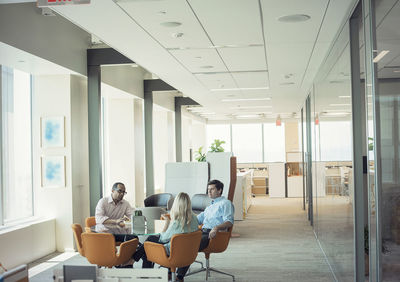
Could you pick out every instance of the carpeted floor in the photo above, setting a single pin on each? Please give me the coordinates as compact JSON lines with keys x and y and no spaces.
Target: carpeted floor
{"x":276,"y":243}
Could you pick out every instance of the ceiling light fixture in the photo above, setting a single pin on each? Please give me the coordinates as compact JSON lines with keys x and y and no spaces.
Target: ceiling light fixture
{"x":344,"y":96}
{"x":294,"y":18}
{"x":396,"y":71}
{"x":171,"y":24}
{"x":379,"y":57}
{"x":247,"y":116}
{"x":250,"y":107}
{"x":246,"y":99}
{"x":238,"y":89}
{"x":278,"y":121}
{"x":177,"y":35}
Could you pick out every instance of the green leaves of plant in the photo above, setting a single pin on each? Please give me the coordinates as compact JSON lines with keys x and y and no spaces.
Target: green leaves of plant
{"x":216,"y":146}
{"x":199,"y":155}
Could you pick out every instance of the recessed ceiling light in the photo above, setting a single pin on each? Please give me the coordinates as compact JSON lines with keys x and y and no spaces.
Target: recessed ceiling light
{"x":171,"y":24}
{"x":344,"y":96}
{"x":246,"y":99}
{"x":294,"y":18}
{"x":177,"y":35}
{"x":396,"y":71}
{"x":206,"y":67}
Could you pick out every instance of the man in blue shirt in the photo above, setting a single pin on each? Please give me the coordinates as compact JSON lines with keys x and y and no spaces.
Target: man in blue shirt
{"x":216,"y":217}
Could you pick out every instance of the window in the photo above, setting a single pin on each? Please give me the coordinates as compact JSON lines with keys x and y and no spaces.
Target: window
{"x":221,"y":132}
{"x":16,"y":186}
{"x":247,"y":142}
{"x":274,"y":142}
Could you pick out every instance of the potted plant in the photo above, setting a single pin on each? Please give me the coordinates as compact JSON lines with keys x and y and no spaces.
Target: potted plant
{"x":216,"y":146}
{"x":199,"y":155}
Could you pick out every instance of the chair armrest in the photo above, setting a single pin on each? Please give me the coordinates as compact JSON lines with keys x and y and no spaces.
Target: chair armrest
{"x":156,"y":253}
{"x":219,"y":243}
{"x":126,"y":250}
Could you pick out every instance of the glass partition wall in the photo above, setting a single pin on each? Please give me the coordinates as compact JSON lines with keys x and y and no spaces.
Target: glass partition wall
{"x":330,"y":121}
{"x":382,"y":77}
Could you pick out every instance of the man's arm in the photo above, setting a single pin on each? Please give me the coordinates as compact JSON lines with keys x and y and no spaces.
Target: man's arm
{"x":223,"y":226}
{"x":102,"y":218}
{"x":228,"y":211}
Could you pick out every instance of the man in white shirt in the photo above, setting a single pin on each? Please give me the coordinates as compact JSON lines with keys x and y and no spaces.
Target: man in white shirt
{"x":114,"y":209}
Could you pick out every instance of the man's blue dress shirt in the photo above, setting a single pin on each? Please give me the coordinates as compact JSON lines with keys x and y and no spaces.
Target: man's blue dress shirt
{"x":220,"y":211}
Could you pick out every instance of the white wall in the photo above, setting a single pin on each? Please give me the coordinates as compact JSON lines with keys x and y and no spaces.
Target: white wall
{"x":139,"y":153}
{"x":80,"y":149}
{"x":119,"y":156}
{"x":62,"y":95}
{"x":161,"y":146}
{"x":27,"y":243}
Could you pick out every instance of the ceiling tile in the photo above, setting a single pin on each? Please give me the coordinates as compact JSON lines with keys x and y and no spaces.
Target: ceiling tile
{"x":244,"y":59}
{"x":251,"y":79}
{"x":200,"y":60}
{"x":217,"y":81}
{"x":150,"y":14}
{"x":241,"y":25}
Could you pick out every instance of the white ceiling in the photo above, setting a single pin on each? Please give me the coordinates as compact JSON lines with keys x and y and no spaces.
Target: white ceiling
{"x":228,"y":49}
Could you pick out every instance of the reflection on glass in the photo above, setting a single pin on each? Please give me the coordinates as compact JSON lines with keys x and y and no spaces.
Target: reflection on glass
{"x":383,"y":81}
{"x":332,"y":161}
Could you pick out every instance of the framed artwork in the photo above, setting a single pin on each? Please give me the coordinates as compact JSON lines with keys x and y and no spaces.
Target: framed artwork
{"x":53,"y":171}
{"x":52,"y":132}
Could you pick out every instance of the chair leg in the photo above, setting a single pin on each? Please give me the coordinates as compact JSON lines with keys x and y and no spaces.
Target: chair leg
{"x":208,"y":270}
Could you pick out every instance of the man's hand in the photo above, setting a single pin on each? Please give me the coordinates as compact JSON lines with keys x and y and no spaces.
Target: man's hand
{"x":213,"y":233}
{"x":121,"y":222}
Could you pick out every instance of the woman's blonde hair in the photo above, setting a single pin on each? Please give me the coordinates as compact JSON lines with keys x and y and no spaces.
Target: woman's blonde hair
{"x":181,"y":210}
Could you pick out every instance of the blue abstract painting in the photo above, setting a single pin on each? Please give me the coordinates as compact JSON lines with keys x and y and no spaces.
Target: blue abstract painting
{"x":52,"y":132}
{"x":53,"y":171}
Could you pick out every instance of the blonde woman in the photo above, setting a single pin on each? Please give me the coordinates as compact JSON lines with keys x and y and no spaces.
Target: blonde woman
{"x":183,"y":220}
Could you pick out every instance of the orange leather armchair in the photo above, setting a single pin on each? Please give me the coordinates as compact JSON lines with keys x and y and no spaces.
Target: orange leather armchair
{"x":77,"y":229}
{"x":184,"y":249}
{"x":89,"y":222}
{"x":100,"y":249}
{"x":216,"y":245}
